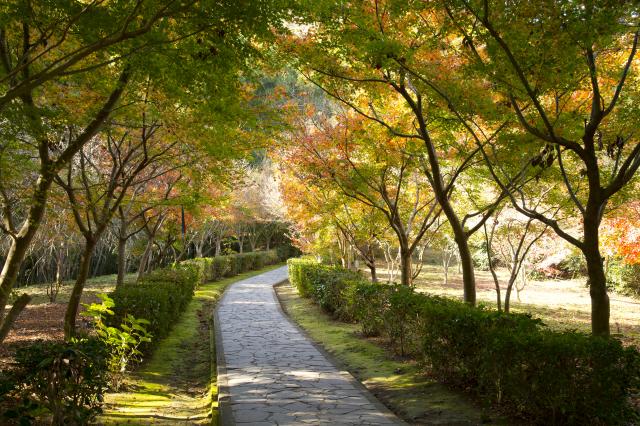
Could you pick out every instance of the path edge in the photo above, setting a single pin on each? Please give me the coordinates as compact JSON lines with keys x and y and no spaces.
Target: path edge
{"x":224,"y":399}
{"x":386,"y":411}
{"x":225,"y":415}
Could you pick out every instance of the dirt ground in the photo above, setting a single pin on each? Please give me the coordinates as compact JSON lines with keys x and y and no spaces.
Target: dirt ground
{"x":43,"y":320}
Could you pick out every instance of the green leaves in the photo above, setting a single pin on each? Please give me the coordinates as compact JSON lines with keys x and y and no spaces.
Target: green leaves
{"x":122,"y":343}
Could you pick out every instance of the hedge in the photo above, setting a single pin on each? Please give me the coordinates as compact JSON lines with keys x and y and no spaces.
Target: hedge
{"x":163,"y":295}
{"x":512,"y":360}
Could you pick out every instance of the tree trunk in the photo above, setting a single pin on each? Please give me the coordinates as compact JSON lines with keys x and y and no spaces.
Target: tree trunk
{"x":18,"y":306}
{"x":20,"y":244}
{"x":374,"y":274}
{"x":442,"y":196}
{"x":466,"y":261}
{"x":507,"y":294}
{"x":144,"y":260}
{"x":600,"y":309}
{"x":445,"y":266}
{"x":122,"y":260}
{"x":97,"y":267}
{"x":405,"y":268}
{"x":78,"y":287}
{"x":496,"y":283}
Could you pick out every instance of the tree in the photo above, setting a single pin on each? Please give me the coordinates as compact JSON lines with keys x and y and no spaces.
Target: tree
{"x":565,"y":91}
{"x":509,"y":240}
{"x":67,"y":64}
{"x":373,"y":168}
{"x":378,"y":57}
{"x":137,"y":211}
{"x":96,"y":186}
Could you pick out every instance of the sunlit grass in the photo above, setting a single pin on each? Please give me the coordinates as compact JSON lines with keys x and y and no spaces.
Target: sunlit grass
{"x":101,"y":284}
{"x":561,"y":304}
{"x":178,"y":383}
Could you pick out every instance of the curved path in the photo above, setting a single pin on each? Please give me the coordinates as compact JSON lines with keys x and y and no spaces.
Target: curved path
{"x":269,"y":373}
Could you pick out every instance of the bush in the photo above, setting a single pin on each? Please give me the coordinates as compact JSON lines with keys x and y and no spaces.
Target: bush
{"x":159,"y":297}
{"x":624,"y":277}
{"x":66,"y":380}
{"x":122,"y":342}
{"x":287,"y":251}
{"x":545,"y":376}
{"x":325,"y":284}
{"x":162,"y":295}
{"x":480,"y":258}
{"x":369,"y":302}
{"x":573,"y":265}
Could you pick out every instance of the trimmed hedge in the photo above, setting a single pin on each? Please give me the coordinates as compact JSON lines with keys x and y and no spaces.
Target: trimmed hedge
{"x":162,"y":295}
{"x":512,"y":360}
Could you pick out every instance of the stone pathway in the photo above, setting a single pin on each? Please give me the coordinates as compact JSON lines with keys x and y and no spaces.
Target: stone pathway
{"x":269,"y":373}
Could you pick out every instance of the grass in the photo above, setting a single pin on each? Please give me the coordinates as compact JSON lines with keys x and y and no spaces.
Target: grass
{"x":178,"y":383}
{"x":93,"y":286}
{"x":399,"y":384}
{"x":560,"y":304}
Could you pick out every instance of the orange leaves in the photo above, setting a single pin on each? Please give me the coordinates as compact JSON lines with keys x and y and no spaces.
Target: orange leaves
{"x":621,"y":235}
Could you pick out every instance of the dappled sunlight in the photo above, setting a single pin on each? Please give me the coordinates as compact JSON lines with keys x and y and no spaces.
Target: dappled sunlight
{"x":174,"y":385}
{"x":396,"y":382}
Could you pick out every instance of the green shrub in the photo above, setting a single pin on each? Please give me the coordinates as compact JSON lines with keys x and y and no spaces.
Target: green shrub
{"x":203,"y":267}
{"x":400,"y":318}
{"x":574,"y":265}
{"x":64,"y":380}
{"x":623,"y":277}
{"x":479,"y":257}
{"x":161,"y":296}
{"x":122,"y":342}
{"x":299,"y":269}
{"x":512,"y":360}
{"x":369,"y":303}
{"x":325,"y":284}
{"x":287,"y":251}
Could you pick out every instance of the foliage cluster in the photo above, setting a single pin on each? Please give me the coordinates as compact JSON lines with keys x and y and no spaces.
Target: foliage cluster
{"x":122,"y":342}
{"x":507,"y":359}
{"x":65,"y":380}
{"x":159,"y":297}
{"x":623,"y":276}
{"x":216,"y":268}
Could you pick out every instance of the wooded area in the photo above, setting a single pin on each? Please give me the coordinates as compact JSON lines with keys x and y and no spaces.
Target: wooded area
{"x":179,"y":142}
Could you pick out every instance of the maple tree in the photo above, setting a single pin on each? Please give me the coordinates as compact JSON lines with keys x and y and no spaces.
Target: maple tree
{"x":562,"y":96}
{"x":68,"y":64}
{"x":533,"y":105}
{"x":378,"y":170}
{"x":360,"y":56}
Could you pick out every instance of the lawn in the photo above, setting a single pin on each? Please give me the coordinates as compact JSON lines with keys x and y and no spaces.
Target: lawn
{"x":561,"y":304}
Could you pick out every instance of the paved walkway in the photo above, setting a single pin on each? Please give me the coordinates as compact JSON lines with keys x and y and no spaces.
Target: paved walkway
{"x":271,"y":374}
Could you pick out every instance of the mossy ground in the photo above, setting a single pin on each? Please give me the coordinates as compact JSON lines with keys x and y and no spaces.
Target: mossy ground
{"x":400,"y":384}
{"x":177,"y":385}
